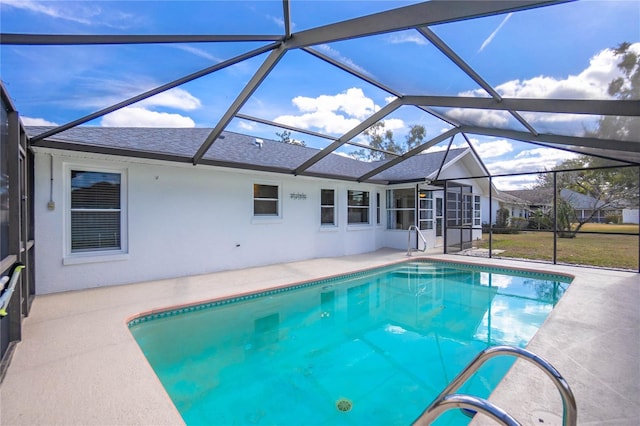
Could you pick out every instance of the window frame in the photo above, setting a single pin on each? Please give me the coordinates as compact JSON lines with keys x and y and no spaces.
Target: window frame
{"x":357,"y":207}
{"x":392,"y":209}
{"x":98,"y":255}
{"x":261,"y":219}
{"x":278,"y":200}
{"x":425,"y":223}
{"x":333,"y":206}
{"x":477,"y":210}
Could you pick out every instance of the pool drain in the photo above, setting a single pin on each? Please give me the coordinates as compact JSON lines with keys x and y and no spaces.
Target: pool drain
{"x":344,"y":405}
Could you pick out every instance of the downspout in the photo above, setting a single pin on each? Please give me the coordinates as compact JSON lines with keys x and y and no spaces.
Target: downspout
{"x":51,"y":205}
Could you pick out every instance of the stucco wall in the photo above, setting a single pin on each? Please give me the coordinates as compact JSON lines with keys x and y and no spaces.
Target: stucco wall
{"x":185,"y":220}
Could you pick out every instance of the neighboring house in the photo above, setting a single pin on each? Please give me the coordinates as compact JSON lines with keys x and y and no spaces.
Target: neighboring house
{"x":590,"y":209}
{"x":586,"y":208}
{"x":630,"y":215}
{"x":517,"y":207}
{"x":535,"y":199}
{"x":122,"y":205}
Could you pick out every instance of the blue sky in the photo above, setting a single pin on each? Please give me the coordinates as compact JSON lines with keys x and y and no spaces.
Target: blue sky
{"x":553,"y":52}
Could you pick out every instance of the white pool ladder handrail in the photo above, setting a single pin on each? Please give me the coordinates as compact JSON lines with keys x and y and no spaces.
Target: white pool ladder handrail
{"x":448,"y":400}
{"x":424,"y":241}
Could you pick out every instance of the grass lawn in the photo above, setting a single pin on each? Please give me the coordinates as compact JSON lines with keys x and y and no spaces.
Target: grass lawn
{"x":613,"y":251}
{"x":625,"y":228}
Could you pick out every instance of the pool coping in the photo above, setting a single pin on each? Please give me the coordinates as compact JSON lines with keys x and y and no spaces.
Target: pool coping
{"x":79,"y":364}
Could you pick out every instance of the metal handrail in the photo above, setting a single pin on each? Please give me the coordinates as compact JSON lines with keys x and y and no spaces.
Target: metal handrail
{"x":569,"y":410}
{"x":470,"y":402}
{"x":424,"y":241}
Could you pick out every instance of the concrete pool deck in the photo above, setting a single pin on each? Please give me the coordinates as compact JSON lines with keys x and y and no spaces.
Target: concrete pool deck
{"x":79,"y":365}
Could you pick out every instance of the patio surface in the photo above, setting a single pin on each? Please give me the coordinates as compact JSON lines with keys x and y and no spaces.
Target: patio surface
{"x":79,"y":365}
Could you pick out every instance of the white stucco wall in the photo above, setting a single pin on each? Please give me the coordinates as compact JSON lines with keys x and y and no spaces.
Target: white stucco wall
{"x":183,"y":220}
{"x":630,"y":216}
{"x":186,"y":220}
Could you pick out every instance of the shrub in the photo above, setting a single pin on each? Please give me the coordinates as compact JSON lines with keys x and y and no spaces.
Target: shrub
{"x":518,"y":223}
{"x":613,"y":218}
{"x":502,"y":218}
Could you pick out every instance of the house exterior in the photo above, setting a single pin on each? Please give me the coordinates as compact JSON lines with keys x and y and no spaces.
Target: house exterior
{"x":517,"y":207}
{"x":124,"y":205}
{"x":630,"y":215}
{"x":586,"y":208}
{"x":590,"y":209}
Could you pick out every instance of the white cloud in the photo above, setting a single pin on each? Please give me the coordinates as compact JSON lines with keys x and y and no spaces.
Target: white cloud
{"x":278,"y":21}
{"x":29,"y":121}
{"x":197,"y":52}
{"x":98,"y":92}
{"x":492,"y":149}
{"x":335,"y":54}
{"x":407,"y":37}
{"x":335,"y":114}
{"x":533,"y":160}
{"x":493,"y":34}
{"x":246,"y":125}
{"x":50,"y":9}
{"x":85,"y":13}
{"x":141,"y":117}
{"x":175,"y":98}
{"x":479,"y":117}
{"x":515,"y":182}
{"x":591,"y":83}
{"x":353,"y":103}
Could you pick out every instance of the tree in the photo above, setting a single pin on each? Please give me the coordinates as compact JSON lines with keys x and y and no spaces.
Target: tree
{"x":602,"y":188}
{"x":502,"y":219}
{"x":383,"y":139}
{"x":605,"y":186}
{"x":626,"y":87}
{"x":285,"y":137}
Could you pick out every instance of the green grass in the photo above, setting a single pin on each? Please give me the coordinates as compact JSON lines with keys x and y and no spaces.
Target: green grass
{"x":625,"y":228}
{"x":611,"y":251}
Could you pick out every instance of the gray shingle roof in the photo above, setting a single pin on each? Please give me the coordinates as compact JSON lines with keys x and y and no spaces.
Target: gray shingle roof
{"x":233,"y":150}
{"x":538,"y":197}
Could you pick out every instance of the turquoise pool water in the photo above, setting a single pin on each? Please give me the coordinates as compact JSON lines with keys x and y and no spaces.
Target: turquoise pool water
{"x":370,"y":348}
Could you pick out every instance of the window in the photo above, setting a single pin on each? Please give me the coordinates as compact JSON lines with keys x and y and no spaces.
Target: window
{"x":459,"y":206}
{"x":358,"y":207}
{"x":378,"y":213}
{"x":96,"y":214}
{"x":425,"y":220}
{"x":401,"y":208}
{"x":265,"y":200}
{"x":477,"y":212}
{"x":327,"y":207}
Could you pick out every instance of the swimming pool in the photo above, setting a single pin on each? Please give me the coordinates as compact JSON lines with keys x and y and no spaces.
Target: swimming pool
{"x":372,"y":347}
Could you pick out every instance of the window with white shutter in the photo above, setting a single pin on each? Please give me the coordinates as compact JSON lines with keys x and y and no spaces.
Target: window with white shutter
{"x":95,"y":211}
